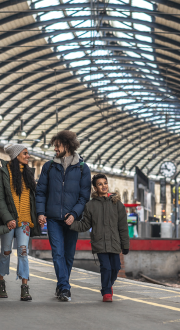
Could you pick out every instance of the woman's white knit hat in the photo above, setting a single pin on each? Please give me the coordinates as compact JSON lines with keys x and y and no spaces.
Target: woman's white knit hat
{"x":13,"y":150}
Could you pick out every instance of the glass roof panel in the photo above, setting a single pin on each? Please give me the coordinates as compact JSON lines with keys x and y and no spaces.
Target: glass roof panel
{"x":113,"y":41}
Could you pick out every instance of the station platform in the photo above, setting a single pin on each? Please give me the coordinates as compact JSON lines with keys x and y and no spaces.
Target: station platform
{"x":135,"y":305}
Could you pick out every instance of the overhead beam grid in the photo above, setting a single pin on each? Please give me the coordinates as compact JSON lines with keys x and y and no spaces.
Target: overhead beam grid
{"x":109,"y":70}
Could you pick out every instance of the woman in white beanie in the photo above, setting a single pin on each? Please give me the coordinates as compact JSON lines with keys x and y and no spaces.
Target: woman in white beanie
{"x":17,"y":213}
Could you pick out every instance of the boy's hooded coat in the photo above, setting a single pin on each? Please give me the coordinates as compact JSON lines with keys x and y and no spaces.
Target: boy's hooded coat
{"x":108,"y":219}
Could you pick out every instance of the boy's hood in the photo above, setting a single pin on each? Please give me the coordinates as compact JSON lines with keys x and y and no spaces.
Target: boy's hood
{"x":113,"y":196}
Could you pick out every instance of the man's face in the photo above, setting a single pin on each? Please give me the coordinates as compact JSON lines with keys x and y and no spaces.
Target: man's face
{"x":59,"y":149}
{"x":101,"y":187}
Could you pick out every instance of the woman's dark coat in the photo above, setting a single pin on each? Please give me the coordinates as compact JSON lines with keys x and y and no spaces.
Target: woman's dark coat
{"x":108,"y":219}
{"x":8,"y":210}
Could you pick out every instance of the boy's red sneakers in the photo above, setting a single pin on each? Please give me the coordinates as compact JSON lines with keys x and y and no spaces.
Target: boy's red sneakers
{"x":107,"y":297}
{"x":112,"y":291}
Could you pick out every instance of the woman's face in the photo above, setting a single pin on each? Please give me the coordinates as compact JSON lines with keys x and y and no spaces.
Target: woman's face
{"x":23,"y":157}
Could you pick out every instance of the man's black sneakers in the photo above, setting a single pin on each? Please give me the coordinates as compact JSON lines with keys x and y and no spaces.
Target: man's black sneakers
{"x":65,"y":295}
{"x":58,"y":292}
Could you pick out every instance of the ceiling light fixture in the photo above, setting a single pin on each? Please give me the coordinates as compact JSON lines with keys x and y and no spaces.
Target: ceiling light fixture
{"x":21,"y":134}
{"x":44,"y":146}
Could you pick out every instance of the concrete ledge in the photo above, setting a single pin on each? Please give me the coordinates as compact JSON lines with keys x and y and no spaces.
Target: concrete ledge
{"x":155,"y":264}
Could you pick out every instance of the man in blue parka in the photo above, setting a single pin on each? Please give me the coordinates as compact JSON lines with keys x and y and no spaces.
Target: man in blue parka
{"x":62,"y":191}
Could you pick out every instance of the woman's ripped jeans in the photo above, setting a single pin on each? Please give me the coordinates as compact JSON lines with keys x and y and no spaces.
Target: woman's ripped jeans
{"x":22,"y":236}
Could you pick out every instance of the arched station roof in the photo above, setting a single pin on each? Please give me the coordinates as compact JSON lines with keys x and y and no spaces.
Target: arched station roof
{"x":109,"y":70}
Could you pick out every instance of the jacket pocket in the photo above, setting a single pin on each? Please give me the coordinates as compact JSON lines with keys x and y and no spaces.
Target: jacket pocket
{"x":97,"y":243}
{"x":95,"y":238}
{"x":116,"y":245}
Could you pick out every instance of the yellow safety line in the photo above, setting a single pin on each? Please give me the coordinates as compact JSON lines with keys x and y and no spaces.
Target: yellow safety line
{"x":41,"y":263}
{"x":171,"y":321}
{"x":151,"y":287}
{"x":116,"y":295}
{"x":118,"y":279}
{"x":169,"y":297}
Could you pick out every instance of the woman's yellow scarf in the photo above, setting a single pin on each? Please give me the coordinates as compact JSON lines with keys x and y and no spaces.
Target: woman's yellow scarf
{"x":22,"y":202}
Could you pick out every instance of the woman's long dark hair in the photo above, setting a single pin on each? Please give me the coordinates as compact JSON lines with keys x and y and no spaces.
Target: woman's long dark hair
{"x":17,"y":175}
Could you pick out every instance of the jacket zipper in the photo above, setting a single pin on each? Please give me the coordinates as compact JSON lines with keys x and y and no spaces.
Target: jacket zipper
{"x":62,"y":194}
{"x":63,"y":189}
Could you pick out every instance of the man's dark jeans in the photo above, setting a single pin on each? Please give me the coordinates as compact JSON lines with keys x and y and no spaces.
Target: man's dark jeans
{"x":63,"y":245}
{"x":109,"y":267}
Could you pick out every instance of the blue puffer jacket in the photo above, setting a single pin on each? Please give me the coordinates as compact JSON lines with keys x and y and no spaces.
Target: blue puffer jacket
{"x":65,"y":193}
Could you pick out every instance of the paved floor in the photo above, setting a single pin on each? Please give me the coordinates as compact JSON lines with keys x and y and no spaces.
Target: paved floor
{"x":135,"y":305}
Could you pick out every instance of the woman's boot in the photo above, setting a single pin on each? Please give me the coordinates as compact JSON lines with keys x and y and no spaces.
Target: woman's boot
{"x":25,"y":292}
{"x":3,"y":293}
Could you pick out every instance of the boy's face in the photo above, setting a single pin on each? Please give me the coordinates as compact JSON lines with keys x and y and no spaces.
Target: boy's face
{"x":101,"y":187}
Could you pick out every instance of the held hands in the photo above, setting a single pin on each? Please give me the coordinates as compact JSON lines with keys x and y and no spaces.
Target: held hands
{"x":42,"y":220}
{"x":11,"y":224}
{"x":69,"y":219}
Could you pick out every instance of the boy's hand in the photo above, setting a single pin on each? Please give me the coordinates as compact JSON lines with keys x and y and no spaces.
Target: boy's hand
{"x":69,"y":219}
{"x":42,"y":220}
{"x":125,"y":251}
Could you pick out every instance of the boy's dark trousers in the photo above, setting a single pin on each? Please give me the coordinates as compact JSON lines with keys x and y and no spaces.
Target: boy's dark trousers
{"x":109,"y":267}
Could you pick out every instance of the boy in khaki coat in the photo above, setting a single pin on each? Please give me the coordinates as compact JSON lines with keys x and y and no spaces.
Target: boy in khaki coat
{"x":107,"y":216}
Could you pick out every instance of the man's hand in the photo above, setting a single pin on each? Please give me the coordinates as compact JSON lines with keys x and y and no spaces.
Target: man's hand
{"x":69,"y":220}
{"x":11,"y":224}
{"x":42,"y":220}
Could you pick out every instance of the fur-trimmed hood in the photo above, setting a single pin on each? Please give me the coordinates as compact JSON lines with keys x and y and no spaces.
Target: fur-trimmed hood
{"x":113,"y":196}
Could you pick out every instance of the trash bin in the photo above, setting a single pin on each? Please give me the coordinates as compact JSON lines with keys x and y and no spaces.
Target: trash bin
{"x":166,"y":230}
{"x":155,"y":229}
{"x":131,"y":230}
{"x":144,"y":229}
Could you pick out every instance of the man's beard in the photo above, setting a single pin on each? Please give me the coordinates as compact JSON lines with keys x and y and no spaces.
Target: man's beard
{"x":61,"y":154}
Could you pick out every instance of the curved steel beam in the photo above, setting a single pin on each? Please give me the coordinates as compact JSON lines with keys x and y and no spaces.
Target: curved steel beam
{"x":96,"y":5}
{"x":132,"y":147}
{"x":107,"y":140}
{"x":49,"y":115}
{"x":99,"y":137}
{"x":61,"y":81}
{"x":75,"y":123}
{"x":91,"y":49}
{"x":54,"y":125}
{"x":121,"y":58}
{"x":137,"y":82}
{"x":109,"y":129}
{"x":170,"y":4}
{"x":28,"y":75}
{"x":130,"y":141}
{"x":167,"y":133}
{"x":147,"y":153}
{"x":100,"y":17}
{"x":106,"y":38}
{"x":10,"y":3}
{"x":159,"y":161}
